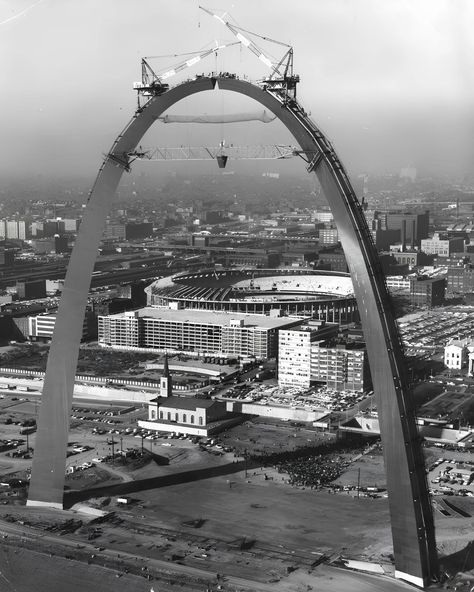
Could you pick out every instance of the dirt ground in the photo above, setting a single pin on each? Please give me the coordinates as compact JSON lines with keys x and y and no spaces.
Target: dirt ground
{"x":26,"y":571}
{"x":211,"y":514}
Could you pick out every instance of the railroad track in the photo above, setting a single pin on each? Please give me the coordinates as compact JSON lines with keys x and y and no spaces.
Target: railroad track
{"x":255,"y":548}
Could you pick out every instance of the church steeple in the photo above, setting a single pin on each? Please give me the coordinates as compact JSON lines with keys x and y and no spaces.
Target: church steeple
{"x":166,"y":384}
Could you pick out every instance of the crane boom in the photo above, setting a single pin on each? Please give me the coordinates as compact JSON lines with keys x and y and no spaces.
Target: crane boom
{"x":152,"y":83}
{"x":245,"y":41}
{"x":281,"y":77}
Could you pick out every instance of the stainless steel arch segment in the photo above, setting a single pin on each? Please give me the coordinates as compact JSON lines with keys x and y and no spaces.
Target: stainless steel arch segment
{"x":410,"y":508}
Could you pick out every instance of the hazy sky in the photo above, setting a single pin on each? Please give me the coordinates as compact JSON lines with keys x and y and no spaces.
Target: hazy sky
{"x":390,"y":81}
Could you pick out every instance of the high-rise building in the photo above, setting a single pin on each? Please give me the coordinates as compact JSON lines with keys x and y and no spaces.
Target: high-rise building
{"x":412,"y":226}
{"x":340,"y":365}
{"x":294,"y":351}
{"x":13,"y":229}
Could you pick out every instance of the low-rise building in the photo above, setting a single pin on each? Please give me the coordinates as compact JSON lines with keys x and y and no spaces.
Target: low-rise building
{"x":398,"y":283}
{"x":41,"y":327}
{"x":442,"y":246}
{"x":456,"y":353}
{"x":187,"y":415}
{"x":460,"y":279}
{"x":427,"y":292}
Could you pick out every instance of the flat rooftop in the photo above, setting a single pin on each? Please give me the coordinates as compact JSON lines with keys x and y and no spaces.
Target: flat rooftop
{"x":208,"y":317}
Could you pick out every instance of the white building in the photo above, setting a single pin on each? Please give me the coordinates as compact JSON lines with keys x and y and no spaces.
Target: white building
{"x":41,"y":327}
{"x":443,"y":247}
{"x":398,"y":282}
{"x":294,"y":351}
{"x":13,"y":229}
{"x":328,"y":236}
{"x":456,"y":353}
{"x":187,"y":415}
{"x":200,"y":332}
{"x":323,"y":217}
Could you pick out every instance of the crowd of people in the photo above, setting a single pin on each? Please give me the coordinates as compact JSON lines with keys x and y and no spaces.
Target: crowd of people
{"x":313,"y":471}
{"x":312,"y":466}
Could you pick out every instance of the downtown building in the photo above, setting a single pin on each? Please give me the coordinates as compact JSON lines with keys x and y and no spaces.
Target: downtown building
{"x":460,"y":279}
{"x":196,"y":332}
{"x":443,"y":246}
{"x":41,"y":327}
{"x":14,"y":229}
{"x":427,"y":292}
{"x":311,"y":353}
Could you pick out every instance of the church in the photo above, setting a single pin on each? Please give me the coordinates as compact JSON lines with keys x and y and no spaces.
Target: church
{"x":186,"y":415}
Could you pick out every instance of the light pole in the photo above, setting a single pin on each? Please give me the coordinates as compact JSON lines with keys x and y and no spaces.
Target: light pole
{"x":112,"y":443}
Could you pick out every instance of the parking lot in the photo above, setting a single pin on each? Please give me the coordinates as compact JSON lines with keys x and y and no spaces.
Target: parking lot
{"x":428,"y":331}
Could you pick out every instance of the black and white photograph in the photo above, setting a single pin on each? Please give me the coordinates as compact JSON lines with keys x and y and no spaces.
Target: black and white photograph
{"x":236,"y":296}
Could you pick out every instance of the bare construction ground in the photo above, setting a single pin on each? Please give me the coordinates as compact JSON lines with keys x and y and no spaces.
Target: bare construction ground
{"x":204,"y":514}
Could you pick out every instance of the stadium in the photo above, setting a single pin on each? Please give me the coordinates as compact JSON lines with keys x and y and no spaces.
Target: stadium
{"x":320,"y":294}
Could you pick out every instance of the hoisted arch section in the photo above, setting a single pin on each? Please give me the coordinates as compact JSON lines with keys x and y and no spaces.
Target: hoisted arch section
{"x":410,"y":510}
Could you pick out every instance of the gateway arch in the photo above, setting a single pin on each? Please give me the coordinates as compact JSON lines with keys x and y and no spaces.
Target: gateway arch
{"x":410,"y":509}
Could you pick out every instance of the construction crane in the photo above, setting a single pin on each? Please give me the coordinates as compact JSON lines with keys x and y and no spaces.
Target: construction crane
{"x":153,"y":84}
{"x":282,"y":76}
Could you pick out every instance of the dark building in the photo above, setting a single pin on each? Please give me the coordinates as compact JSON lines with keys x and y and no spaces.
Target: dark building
{"x":52,"y":227}
{"x":200,"y":240}
{"x":112,"y":306}
{"x":61,"y":244}
{"x":460,"y":279}
{"x":54,"y":244}
{"x":411,"y":258}
{"x":31,"y":290}
{"x":333,"y":260}
{"x":384,"y":238}
{"x":7,"y":257}
{"x":113,"y":230}
{"x":135,"y":292}
{"x":412,"y":226}
{"x":214,"y":217}
{"x":427,"y":291}
{"x":134,"y":230}
{"x":251,"y":257}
